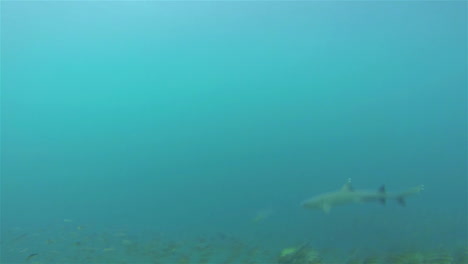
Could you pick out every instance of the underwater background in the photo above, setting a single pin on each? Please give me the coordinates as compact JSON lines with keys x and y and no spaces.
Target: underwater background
{"x":190,"y":132}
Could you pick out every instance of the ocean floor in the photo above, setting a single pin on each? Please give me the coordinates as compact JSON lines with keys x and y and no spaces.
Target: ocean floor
{"x":73,"y":243}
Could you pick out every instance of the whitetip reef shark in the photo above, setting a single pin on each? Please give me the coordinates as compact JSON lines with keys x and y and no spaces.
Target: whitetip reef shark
{"x":347,"y":195}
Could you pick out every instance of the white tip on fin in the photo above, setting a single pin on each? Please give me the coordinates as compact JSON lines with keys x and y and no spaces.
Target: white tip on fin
{"x":347,"y":187}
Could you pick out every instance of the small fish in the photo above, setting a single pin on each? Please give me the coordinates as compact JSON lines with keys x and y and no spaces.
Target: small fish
{"x":120,"y":234}
{"x":31,"y":256}
{"x":262,"y":215}
{"x":18,"y":238}
{"x":126,"y":242}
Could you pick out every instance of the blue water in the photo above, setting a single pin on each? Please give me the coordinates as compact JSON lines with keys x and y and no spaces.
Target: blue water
{"x":125,"y":123}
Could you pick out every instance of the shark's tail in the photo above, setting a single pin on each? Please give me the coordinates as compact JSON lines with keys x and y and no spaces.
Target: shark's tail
{"x":400,"y":197}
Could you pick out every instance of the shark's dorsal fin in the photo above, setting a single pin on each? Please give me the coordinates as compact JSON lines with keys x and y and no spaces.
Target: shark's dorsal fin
{"x":347,"y":187}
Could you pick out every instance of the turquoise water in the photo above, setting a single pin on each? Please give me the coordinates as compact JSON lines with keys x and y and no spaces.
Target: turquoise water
{"x":190,"y":132}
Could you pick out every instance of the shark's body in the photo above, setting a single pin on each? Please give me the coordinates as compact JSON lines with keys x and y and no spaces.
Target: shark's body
{"x":347,"y":195}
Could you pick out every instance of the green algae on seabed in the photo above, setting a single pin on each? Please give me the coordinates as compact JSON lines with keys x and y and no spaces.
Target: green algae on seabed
{"x":299,"y":255}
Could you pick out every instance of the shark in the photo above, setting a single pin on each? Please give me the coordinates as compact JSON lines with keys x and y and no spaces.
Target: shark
{"x":348,"y":195}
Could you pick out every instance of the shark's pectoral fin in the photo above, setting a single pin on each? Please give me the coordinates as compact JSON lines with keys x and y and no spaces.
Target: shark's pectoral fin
{"x":382,"y":201}
{"x":326,"y":208}
{"x":401,"y":200}
{"x":383,"y":193}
